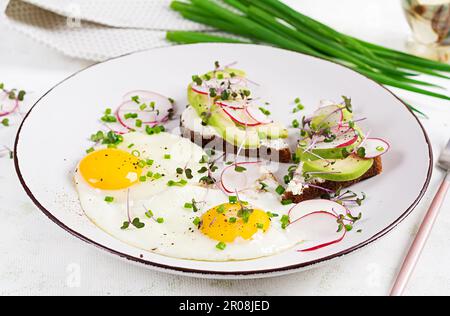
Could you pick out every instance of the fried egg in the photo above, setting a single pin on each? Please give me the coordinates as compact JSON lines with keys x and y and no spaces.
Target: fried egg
{"x":175,"y":215}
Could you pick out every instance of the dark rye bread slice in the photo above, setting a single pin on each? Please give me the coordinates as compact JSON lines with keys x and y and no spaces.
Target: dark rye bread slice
{"x":217,"y":143}
{"x":312,"y":193}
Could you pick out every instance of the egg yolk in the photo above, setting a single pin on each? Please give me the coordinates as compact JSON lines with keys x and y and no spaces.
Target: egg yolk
{"x":110,"y":169}
{"x":227,"y":222}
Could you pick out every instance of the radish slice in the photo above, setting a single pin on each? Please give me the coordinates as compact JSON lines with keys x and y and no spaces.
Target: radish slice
{"x":7,"y":105}
{"x":233,"y":180}
{"x":200,"y":89}
{"x":241,"y":117}
{"x":235,"y":84}
{"x":316,"y":223}
{"x":319,"y":230}
{"x":257,"y":115}
{"x":304,"y":208}
{"x":234,"y":105}
{"x":148,"y":115}
{"x":343,"y":139}
{"x":117,"y":128}
{"x":375,"y":147}
{"x":331,"y":115}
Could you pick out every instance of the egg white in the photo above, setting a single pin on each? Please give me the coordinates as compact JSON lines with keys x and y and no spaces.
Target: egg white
{"x":183,"y":153}
{"x":177,"y":236}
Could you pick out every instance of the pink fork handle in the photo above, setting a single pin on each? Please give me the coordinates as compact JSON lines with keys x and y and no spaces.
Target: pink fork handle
{"x":421,"y":238}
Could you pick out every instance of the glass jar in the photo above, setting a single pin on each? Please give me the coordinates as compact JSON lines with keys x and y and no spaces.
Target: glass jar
{"x":430,"y":23}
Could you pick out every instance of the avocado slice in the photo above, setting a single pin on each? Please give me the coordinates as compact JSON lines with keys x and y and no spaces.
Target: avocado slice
{"x":229,"y":130}
{"x":328,"y":153}
{"x":348,"y":169}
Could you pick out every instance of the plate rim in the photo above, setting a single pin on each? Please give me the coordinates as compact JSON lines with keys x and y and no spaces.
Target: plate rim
{"x":211,"y":273}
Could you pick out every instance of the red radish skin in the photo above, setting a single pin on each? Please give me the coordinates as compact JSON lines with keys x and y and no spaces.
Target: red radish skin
{"x":198,"y":89}
{"x":234,"y":105}
{"x":325,"y":244}
{"x":340,"y":141}
{"x":349,"y":143}
{"x":310,"y":205}
{"x":257,"y":115}
{"x":246,"y":120}
{"x":163,"y":105}
{"x":12,"y":110}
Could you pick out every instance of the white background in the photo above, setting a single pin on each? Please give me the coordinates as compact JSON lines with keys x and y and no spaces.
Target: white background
{"x":37,"y":257}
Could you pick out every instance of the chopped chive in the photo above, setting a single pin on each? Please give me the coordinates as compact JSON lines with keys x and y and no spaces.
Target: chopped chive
{"x":197,"y":221}
{"x":240,"y":169}
{"x":287,"y":202}
{"x":109,"y":199}
{"x":90,"y":150}
{"x":284,"y":221}
{"x":221,"y":209}
{"x":232,"y":199}
{"x":136,"y":153}
{"x":232,"y":220}
{"x":221,"y":245}
{"x":167,"y":156}
{"x":109,"y":119}
{"x":280,"y":190}
{"x":160,"y":220}
{"x":142,"y":178}
{"x":130,"y":116}
{"x":271,"y":215}
{"x":264,"y":111}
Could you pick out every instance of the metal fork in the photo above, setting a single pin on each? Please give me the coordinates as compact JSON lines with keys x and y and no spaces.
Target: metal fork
{"x":425,"y":229}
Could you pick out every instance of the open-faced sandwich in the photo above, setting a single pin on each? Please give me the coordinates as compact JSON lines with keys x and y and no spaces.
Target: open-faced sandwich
{"x":223,"y":114}
{"x":148,"y":186}
{"x":333,"y":153}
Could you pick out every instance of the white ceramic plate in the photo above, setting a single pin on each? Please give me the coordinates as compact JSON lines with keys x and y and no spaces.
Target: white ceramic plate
{"x":52,"y":139}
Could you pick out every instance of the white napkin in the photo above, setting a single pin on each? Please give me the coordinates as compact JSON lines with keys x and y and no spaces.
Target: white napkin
{"x":96,"y":30}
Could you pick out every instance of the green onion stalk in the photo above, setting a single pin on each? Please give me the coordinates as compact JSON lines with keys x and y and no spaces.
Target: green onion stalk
{"x":273,"y":22}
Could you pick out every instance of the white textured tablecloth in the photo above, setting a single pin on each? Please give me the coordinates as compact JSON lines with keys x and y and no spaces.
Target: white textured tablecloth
{"x":96,"y":30}
{"x":37,"y":257}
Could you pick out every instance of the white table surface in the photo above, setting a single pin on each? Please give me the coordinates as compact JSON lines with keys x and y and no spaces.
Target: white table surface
{"x":37,"y":257}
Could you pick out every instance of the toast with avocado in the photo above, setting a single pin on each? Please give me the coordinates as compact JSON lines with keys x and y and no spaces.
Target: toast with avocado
{"x":332,"y":154}
{"x":223,"y":115}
